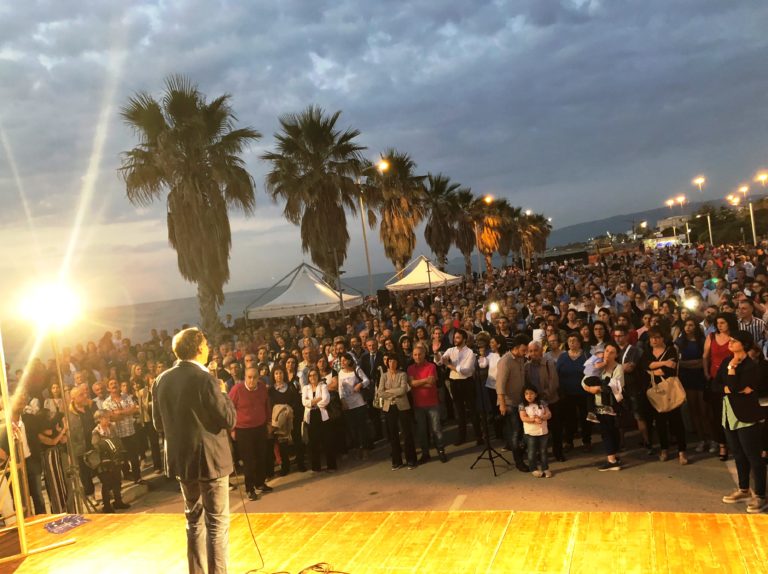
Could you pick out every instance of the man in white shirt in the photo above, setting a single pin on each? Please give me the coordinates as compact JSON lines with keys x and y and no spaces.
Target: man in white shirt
{"x":460,"y":361}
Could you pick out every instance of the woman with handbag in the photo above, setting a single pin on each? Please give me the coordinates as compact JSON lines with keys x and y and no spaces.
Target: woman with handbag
{"x":610,"y":391}
{"x":660,"y":362}
{"x":392,"y":392}
{"x":315,"y":398}
{"x":715,"y":352}
{"x":335,"y":411}
{"x":743,"y":417}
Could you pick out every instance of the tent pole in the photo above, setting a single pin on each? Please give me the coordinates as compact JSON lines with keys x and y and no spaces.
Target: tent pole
{"x":429,"y":278}
{"x":338,"y":280}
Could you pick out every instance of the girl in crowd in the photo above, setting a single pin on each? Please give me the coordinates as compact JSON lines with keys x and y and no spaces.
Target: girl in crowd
{"x":690,"y":346}
{"x":55,"y":402}
{"x":739,"y":378}
{"x":716,"y":350}
{"x":570,"y":371}
{"x":352,"y":381}
{"x":52,"y":435}
{"x":534,"y":413}
{"x":315,"y":399}
{"x":393,"y":389}
{"x":660,"y":361}
{"x":598,"y":337}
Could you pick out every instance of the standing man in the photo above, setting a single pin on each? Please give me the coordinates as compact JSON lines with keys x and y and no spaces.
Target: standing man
{"x":122,"y":410}
{"x":510,"y":378}
{"x":81,"y":426}
{"x":460,"y":361}
{"x":541,"y":372}
{"x":422,"y":376}
{"x":251,"y":401}
{"x":194,"y":414}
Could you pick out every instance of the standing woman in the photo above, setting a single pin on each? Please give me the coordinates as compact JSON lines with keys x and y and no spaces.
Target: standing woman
{"x":283,"y":393}
{"x":393,"y":389}
{"x":570,"y":372}
{"x":55,"y":402}
{"x":53,"y":438}
{"x":315,"y":398}
{"x":598,"y":337}
{"x":336,"y":423}
{"x":497,"y":346}
{"x":690,"y":345}
{"x":716,"y":350}
{"x":612,"y":384}
{"x":742,"y":420}
{"x":352,"y":381}
{"x":661,"y":361}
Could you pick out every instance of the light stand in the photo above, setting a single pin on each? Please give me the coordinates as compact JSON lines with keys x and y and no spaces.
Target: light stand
{"x":489,"y":453}
{"x":76,"y":494}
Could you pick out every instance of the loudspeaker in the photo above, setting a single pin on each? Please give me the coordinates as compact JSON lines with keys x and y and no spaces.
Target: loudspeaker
{"x":382,"y":296}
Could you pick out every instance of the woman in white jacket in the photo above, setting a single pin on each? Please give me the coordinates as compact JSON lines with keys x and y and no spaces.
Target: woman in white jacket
{"x":315,"y":398}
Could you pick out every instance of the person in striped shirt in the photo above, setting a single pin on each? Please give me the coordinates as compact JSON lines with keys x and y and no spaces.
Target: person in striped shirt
{"x":749,"y":323}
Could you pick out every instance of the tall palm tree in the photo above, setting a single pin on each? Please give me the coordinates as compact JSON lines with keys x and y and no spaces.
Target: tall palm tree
{"x":314,"y":167}
{"x":189,"y":151}
{"x":399,"y":195}
{"x":509,"y":237}
{"x":464,"y":237}
{"x":440,"y":204}
{"x":534,"y":232}
{"x":488,"y":216}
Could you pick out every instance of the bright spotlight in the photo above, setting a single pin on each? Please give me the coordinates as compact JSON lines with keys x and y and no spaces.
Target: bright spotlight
{"x":382,"y":165}
{"x":691,"y":303}
{"x":51,"y":306}
{"x":493,"y":307}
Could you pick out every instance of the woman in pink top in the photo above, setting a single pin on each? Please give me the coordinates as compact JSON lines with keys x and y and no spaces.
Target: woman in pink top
{"x":715,"y":352}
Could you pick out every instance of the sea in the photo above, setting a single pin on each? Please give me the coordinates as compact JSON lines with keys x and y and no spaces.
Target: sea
{"x":135,"y":321}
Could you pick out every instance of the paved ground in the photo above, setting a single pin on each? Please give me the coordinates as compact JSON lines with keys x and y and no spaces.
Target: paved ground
{"x":644,"y":485}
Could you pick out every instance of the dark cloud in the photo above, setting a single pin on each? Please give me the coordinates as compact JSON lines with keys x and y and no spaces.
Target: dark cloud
{"x":574,"y":107}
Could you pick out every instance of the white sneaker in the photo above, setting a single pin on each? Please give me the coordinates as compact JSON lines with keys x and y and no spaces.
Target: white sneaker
{"x":757,"y":505}
{"x":547,"y":474}
{"x":537,"y":474}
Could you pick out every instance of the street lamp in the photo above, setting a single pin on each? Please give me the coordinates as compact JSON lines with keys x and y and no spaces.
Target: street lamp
{"x":670,"y":203}
{"x":699,"y":181}
{"x":744,"y":189}
{"x":709,"y":227}
{"x":382,"y":165}
{"x":762,"y":177}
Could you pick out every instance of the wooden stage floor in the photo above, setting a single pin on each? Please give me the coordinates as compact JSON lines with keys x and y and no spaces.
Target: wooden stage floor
{"x":419,"y":542}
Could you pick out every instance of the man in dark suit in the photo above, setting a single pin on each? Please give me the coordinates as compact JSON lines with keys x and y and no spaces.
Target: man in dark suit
{"x":370,"y":362}
{"x":194,"y":413}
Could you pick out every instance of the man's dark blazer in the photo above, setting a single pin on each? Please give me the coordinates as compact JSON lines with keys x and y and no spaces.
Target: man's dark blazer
{"x":372,"y":371}
{"x":195,"y":417}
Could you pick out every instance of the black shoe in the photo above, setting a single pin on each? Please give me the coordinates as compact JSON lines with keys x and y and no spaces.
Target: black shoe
{"x":302,"y":468}
{"x":522,"y":467}
{"x":425,"y":458}
{"x":120,"y":505}
{"x":560,"y":458}
{"x":441,"y":454}
{"x":264,"y":488}
{"x":253,"y":495}
{"x":285,"y":471}
{"x":108,"y":510}
{"x":567,"y":447}
{"x":609,"y":466}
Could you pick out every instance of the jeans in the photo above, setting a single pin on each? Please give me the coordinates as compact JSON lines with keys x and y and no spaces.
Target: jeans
{"x":464,"y":400}
{"x":206,"y":507}
{"x":513,"y":429}
{"x":746,"y":444}
{"x":574,"y":409}
{"x":537,"y":451}
{"x":252,"y":447}
{"x":428,"y":420}
{"x":401,"y":421}
{"x":86,"y":477}
{"x":610,"y":433}
{"x":357,"y":422}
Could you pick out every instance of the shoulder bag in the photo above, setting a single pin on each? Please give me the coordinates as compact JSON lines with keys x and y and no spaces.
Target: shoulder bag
{"x":667,"y":394}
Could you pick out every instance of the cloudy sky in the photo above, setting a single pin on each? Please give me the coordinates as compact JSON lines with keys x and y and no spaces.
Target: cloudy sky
{"x":577,"y":108}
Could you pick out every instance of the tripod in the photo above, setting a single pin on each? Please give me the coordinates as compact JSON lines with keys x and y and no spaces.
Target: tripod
{"x":489,"y":452}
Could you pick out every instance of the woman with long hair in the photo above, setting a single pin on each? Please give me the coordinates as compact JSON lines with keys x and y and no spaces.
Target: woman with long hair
{"x":690,"y":346}
{"x":570,"y":372}
{"x":716,"y":350}
{"x":599,"y":336}
{"x":284,"y":393}
{"x":393,"y":390}
{"x":315,"y":398}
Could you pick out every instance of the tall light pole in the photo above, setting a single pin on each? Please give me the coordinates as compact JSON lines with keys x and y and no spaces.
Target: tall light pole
{"x":744,"y":189}
{"x":709,"y":227}
{"x":382,"y":166}
{"x":699,"y":181}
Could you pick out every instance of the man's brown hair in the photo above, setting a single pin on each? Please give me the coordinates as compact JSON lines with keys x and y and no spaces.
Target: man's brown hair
{"x":186,"y":343}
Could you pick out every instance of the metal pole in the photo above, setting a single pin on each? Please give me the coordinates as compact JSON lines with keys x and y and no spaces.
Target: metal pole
{"x":429,"y":278}
{"x":338,"y":282}
{"x":709,"y":226}
{"x":365,"y":242}
{"x":477,"y":244}
{"x":688,"y":233}
{"x":752,"y":218}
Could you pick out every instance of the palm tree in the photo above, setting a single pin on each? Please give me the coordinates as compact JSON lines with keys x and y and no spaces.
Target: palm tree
{"x":189,"y":150}
{"x":534,"y":232}
{"x":464,"y":236}
{"x":488,"y":217}
{"x":509,"y":238}
{"x":314,"y":168}
{"x":440,"y":204}
{"x":399,"y":195}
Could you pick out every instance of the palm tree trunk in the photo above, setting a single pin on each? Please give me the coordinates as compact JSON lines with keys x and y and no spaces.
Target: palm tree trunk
{"x":488,"y":263}
{"x":209,"y":312}
{"x":468,"y":264}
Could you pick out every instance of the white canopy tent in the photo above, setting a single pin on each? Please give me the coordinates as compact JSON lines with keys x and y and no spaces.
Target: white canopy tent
{"x":307,"y":293}
{"x":423,"y":275}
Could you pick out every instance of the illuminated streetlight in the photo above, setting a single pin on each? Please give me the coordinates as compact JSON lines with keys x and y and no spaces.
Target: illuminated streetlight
{"x":762,"y":177}
{"x":709,"y":227}
{"x":670,"y":203}
{"x":488,"y":199}
{"x":50,"y":307}
{"x":744,"y":189}
{"x":699,"y":181}
{"x":681,"y":200}
{"x":644,"y":224}
{"x":382,"y":165}
{"x":528,"y":212}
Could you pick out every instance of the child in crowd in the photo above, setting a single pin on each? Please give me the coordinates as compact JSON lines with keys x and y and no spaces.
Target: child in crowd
{"x":592,"y":369}
{"x":110,"y":449}
{"x":535,"y":413}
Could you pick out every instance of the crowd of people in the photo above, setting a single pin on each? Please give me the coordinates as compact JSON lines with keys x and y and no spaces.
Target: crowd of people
{"x":541,"y":359}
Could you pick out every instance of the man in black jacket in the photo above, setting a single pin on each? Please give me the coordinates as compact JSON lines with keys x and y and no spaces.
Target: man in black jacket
{"x":195,"y":415}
